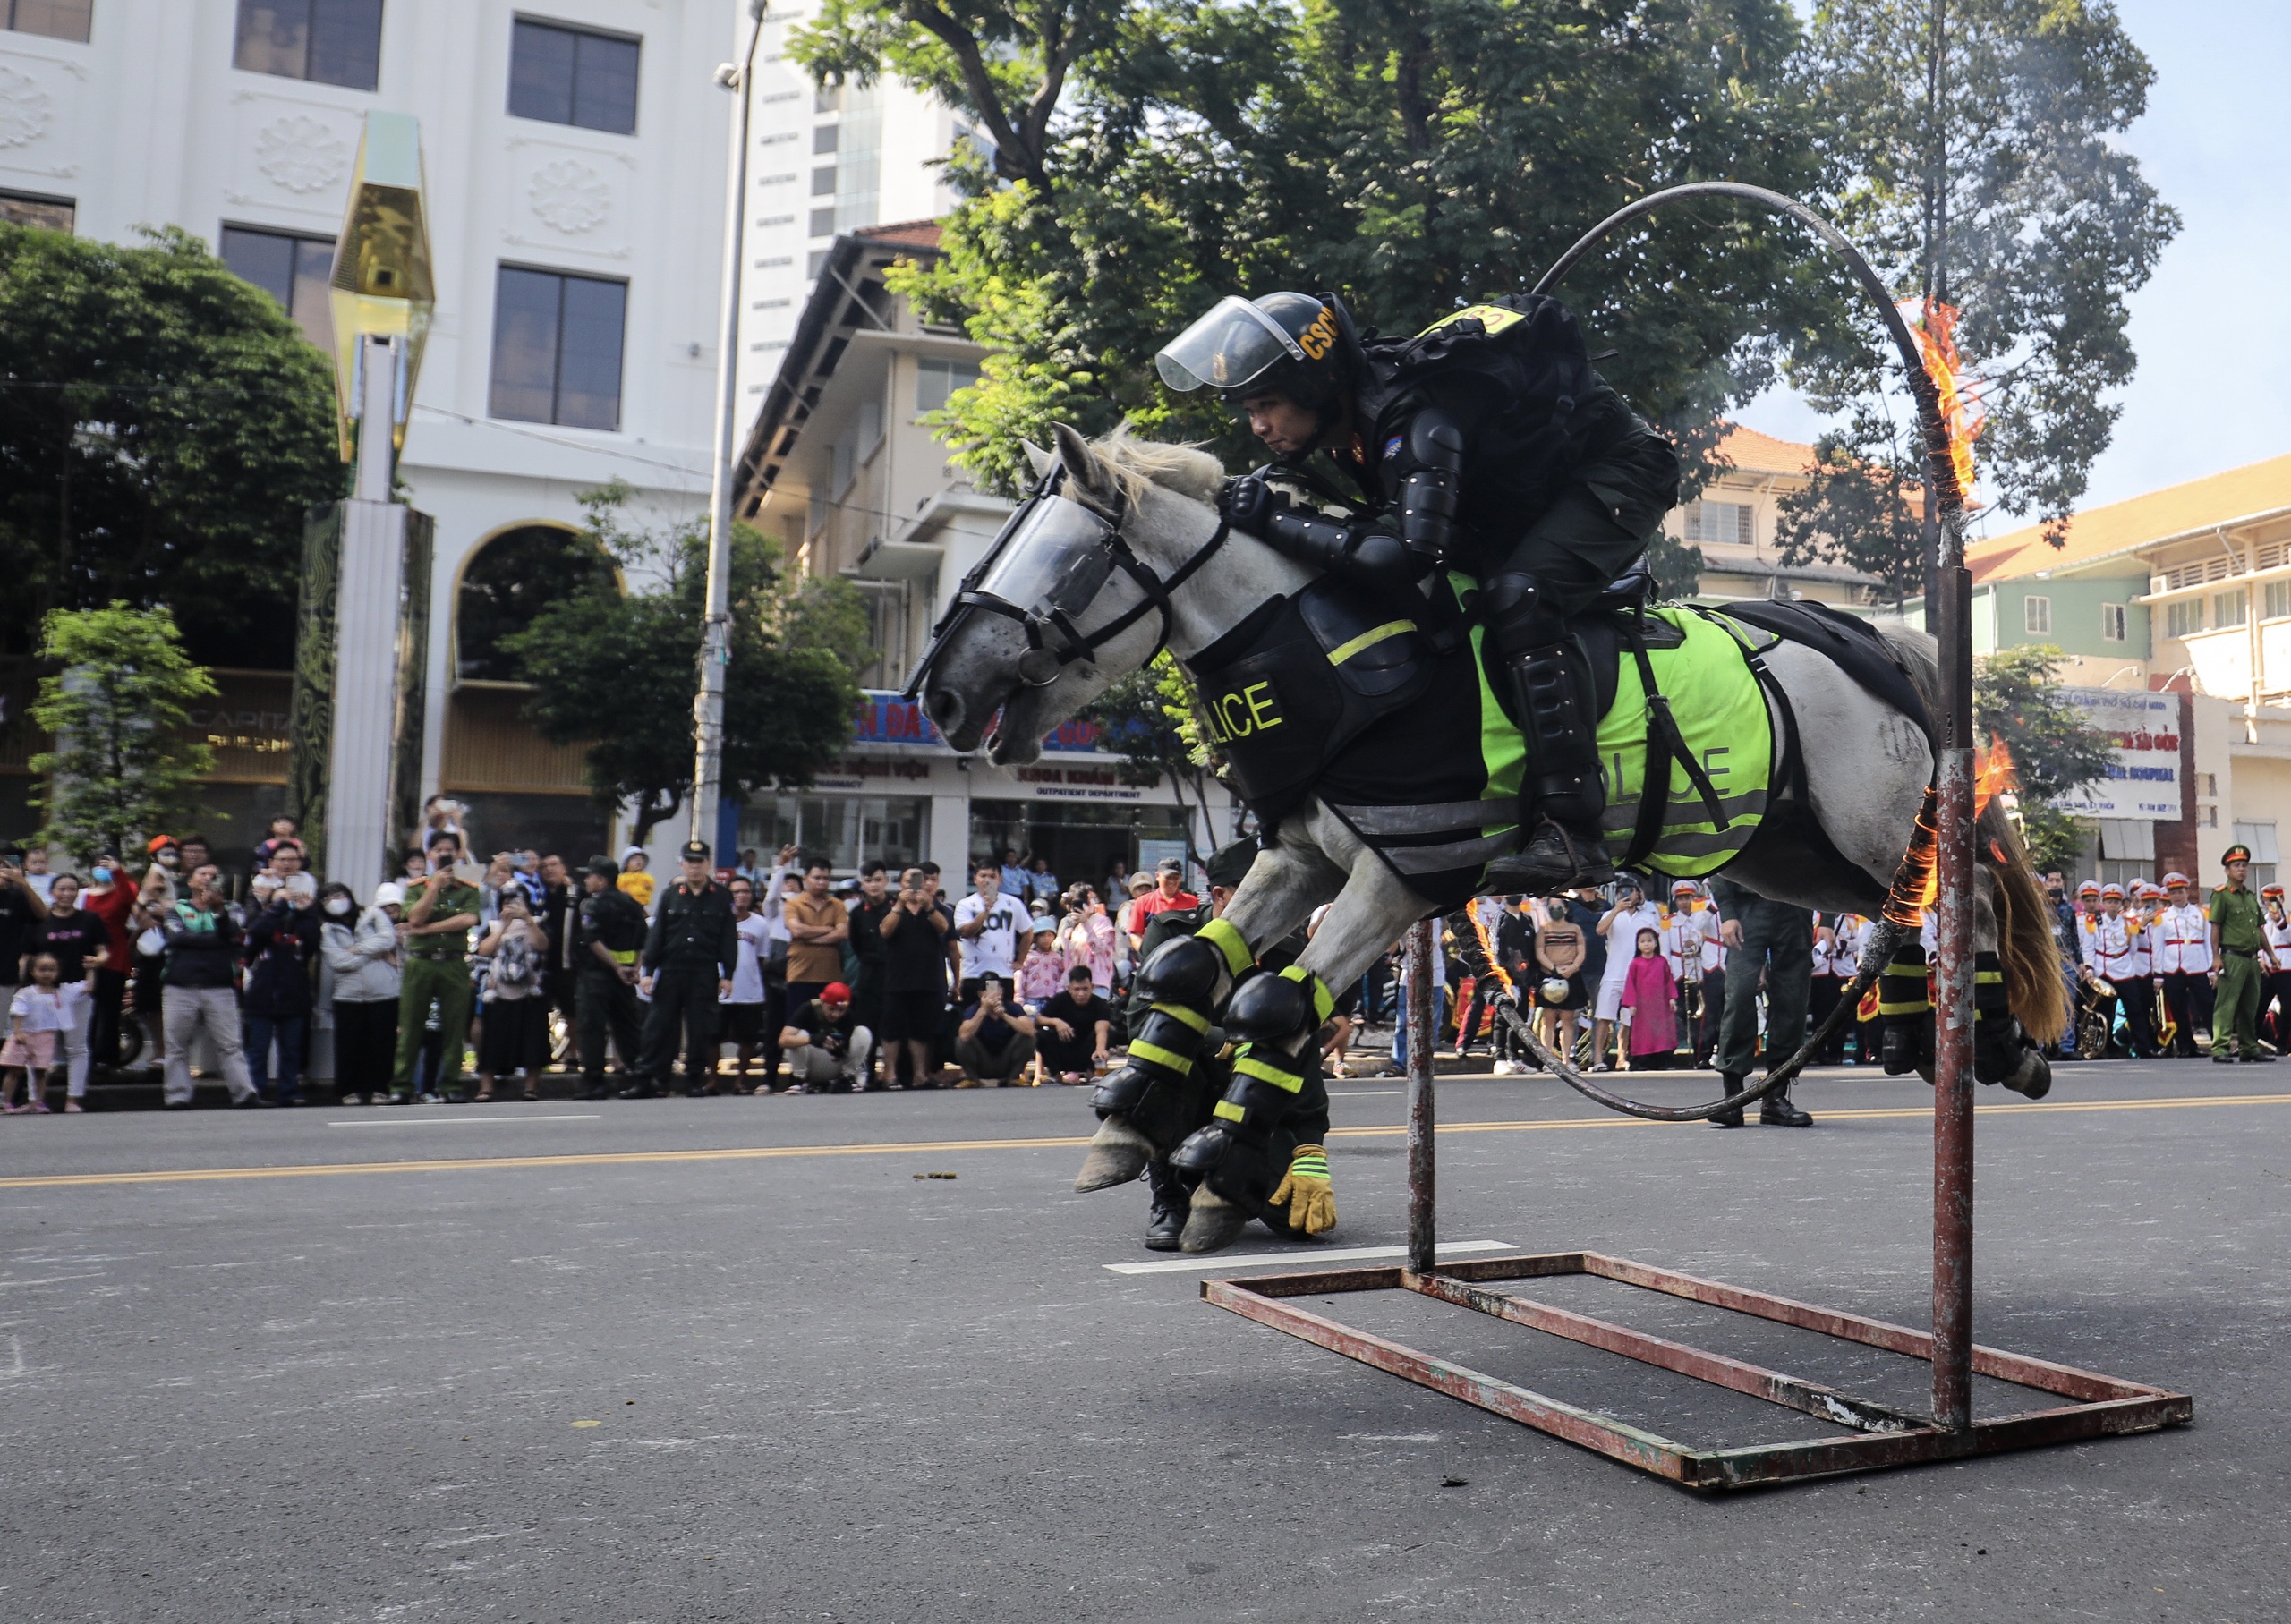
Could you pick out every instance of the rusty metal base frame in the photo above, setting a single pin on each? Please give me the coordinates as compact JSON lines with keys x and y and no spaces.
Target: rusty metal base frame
{"x":1884,"y":1436}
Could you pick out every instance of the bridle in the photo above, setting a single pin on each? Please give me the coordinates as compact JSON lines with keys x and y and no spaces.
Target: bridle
{"x":1053,"y":640}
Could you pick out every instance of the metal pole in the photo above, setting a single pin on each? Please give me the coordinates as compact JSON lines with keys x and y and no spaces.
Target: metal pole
{"x":716,"y":628}
{"x":1422,"y":1038}
{"x":1953,"y":1009}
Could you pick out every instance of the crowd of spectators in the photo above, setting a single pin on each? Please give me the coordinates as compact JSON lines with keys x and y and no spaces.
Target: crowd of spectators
{"x":780,"y":979}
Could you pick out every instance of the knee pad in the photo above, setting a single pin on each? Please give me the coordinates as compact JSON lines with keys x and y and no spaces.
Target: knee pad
{"x":1519,"y":615}
{"x":1190,"y":969}
{"x":1242,"y":1169}
{"x":1269,"y":1008}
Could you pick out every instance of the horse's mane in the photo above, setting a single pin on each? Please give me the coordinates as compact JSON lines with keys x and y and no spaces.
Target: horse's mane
{"x":1187,"y":470}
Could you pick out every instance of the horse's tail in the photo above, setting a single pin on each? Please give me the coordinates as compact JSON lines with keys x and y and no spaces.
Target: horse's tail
{"x":2024,"y":943}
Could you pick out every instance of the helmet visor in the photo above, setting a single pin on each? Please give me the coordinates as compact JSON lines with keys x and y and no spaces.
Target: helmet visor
{"x":1230,"y":348}
{"x":1057,"y":559}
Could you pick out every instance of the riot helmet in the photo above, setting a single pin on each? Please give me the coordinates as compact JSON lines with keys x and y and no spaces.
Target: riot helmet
{"x":1284,"y":343}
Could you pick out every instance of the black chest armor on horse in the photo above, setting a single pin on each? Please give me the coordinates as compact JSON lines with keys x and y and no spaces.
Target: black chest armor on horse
{"x":1301,"y":678}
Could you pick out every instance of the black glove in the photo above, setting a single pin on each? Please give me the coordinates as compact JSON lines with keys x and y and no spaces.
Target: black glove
{"x":1250,"y":503}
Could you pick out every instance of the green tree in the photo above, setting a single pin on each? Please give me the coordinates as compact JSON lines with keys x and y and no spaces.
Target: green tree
{"x":2016,"y":697}
{"x":1981,"y":165}
{"x":124,"y":761}
{"x":163,"y":426}
{"x":618,"y":671}
{"x":1410,"y":155}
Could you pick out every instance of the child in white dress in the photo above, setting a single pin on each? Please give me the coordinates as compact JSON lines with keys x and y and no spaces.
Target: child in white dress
{"x":38,"y":1017}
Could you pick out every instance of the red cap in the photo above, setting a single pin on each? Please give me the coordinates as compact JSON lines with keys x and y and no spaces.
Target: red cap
{"x":835,"y":992}
{"x":159,"y":840}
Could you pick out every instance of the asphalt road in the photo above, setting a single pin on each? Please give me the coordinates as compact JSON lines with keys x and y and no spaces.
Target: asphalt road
{"x":734,"y":1359}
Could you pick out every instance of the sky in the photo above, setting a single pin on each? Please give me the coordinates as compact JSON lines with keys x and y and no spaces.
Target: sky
{"x":2212,"y":328}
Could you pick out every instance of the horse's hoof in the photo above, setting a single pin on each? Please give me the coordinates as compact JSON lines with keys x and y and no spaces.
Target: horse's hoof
{"x":1118,"y":1154}
{"x":2034,"y":1078}
{"x":1212,"y":1224}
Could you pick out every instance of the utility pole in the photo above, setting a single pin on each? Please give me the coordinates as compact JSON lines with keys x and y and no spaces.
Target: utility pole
{"x":716,"y":629}
{"x":1936,"y":245}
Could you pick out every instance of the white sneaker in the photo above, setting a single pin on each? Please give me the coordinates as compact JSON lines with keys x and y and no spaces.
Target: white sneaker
{"x":1509,"y":1069}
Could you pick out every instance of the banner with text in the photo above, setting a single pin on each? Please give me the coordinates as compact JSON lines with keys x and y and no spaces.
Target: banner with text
{"x":2144,"y":781}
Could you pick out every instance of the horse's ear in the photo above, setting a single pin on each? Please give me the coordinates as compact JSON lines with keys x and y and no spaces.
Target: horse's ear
{"x":1041,"y":456}
{"x":1094,"y":483}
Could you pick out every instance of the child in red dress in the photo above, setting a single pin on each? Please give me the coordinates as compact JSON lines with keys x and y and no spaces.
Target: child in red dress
{"x":1650,"y":992}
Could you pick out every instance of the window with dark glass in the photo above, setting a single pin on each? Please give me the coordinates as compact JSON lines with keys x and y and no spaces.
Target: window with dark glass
{"x":56,"y":18}
{"x":556,"y":348}
{"x":334,"y":42}
{"x":293,"y":270}
{"x":573,"y":76}
{"x":29,"y":209}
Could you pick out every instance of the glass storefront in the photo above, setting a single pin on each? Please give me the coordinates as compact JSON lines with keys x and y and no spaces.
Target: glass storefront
{"x":1081,"y":842}
{"x":894,"y":830}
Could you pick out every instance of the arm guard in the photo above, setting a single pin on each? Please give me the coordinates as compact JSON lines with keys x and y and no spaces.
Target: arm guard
{"x":1347,"y":548}
{"x":1428,"y":491}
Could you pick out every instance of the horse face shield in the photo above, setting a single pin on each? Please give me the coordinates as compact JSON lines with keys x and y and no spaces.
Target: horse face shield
{"x":1049,"y":567}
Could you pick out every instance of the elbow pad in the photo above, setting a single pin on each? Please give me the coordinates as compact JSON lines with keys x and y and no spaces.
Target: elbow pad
{"x":1427,"y":495}
{"x":1344,"y":548}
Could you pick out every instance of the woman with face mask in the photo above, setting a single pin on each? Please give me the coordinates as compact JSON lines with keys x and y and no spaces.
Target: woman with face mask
{"x":360,"y":952}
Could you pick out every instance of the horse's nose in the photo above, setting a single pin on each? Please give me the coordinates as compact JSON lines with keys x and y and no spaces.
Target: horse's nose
{"x":945,"y":709}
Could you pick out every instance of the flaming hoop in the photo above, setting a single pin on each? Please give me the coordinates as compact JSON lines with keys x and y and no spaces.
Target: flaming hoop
{"x":1935,"y":328}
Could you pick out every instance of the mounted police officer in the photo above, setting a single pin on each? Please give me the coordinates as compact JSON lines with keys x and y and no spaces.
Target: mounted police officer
{"x":1488,"y":446}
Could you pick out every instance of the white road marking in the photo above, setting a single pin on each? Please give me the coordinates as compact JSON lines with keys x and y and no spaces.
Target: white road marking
{"x":1361,"y":1093}
{"x":1308,"y":1255}
{"x":433,"y":1121}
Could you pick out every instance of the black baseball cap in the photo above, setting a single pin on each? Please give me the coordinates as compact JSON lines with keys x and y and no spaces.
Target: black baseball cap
{"x":1228,"y":864}
{"x":602,"y":866}
{"x":694,"y":851}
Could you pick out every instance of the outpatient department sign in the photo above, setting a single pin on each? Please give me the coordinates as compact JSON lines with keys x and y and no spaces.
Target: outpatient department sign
{"x":2144,"y":781}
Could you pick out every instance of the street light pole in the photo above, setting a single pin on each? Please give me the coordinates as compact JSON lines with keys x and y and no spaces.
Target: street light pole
{"x":716,"y":629}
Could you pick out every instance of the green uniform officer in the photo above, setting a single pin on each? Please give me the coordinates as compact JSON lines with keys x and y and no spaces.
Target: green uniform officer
{"x":439,"y":914}
{"x":607,"y":927}
{"x":2238,"y":942}
{"x":1777,"y":939}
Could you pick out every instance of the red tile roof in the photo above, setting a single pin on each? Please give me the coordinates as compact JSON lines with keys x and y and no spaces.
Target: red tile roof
{"x":906,"y":234}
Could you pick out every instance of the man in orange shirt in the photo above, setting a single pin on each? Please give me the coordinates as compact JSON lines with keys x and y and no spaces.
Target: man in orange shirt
{"x":818,"y":925}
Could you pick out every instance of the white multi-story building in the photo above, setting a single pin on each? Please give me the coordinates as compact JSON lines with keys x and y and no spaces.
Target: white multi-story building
{"x":823,"y":163}
{"x":574,"y":152}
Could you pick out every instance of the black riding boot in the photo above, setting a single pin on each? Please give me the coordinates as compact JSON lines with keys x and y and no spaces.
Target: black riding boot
{"x":1165,"y":1221}
{"x":1561,"y":796}
{"x":1775,"y":1110}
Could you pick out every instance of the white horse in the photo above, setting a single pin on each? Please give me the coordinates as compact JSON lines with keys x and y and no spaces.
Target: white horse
{"x":1871,"y":763}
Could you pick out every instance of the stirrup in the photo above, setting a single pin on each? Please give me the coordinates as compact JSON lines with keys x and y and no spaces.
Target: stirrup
{"x":1554,"y":860}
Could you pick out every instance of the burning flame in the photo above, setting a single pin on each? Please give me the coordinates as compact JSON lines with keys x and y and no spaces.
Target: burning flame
{"x":1992,"y":774}
{"x":1936,"y":326}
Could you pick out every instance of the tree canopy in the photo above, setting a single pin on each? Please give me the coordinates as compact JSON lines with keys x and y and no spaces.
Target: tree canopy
{"x":1411,"y":157}
{"x":126,"y":760}
{"x":616,"y":671}
{"x":2016,"y":697}
{"x":163,"y":427}
{"x":1990,"y":175}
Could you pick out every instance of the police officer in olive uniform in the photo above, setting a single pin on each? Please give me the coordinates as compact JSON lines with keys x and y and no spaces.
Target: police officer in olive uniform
{"x":1485,"y":444}
{"x":605,"y":930}
{"x":2240,"y":940}
{"x":1761,"y":934}
{"x":1170,"y":1194}
{"x":688,"y":961}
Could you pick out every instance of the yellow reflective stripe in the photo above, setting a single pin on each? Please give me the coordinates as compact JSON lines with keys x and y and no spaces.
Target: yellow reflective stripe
{"x":629,"y":958}
{"x":1885,"y":1008}
{"x":1324,"y":1003}
{"x":1159,"y":1056}
{"x":1183,"y":1016}
{"x":1989,"y":975}
{"x":1229,"y":1111}
{"x":1368,"y":639}
{"x":1250,"y":1066}
{"x":1229,"y":941}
